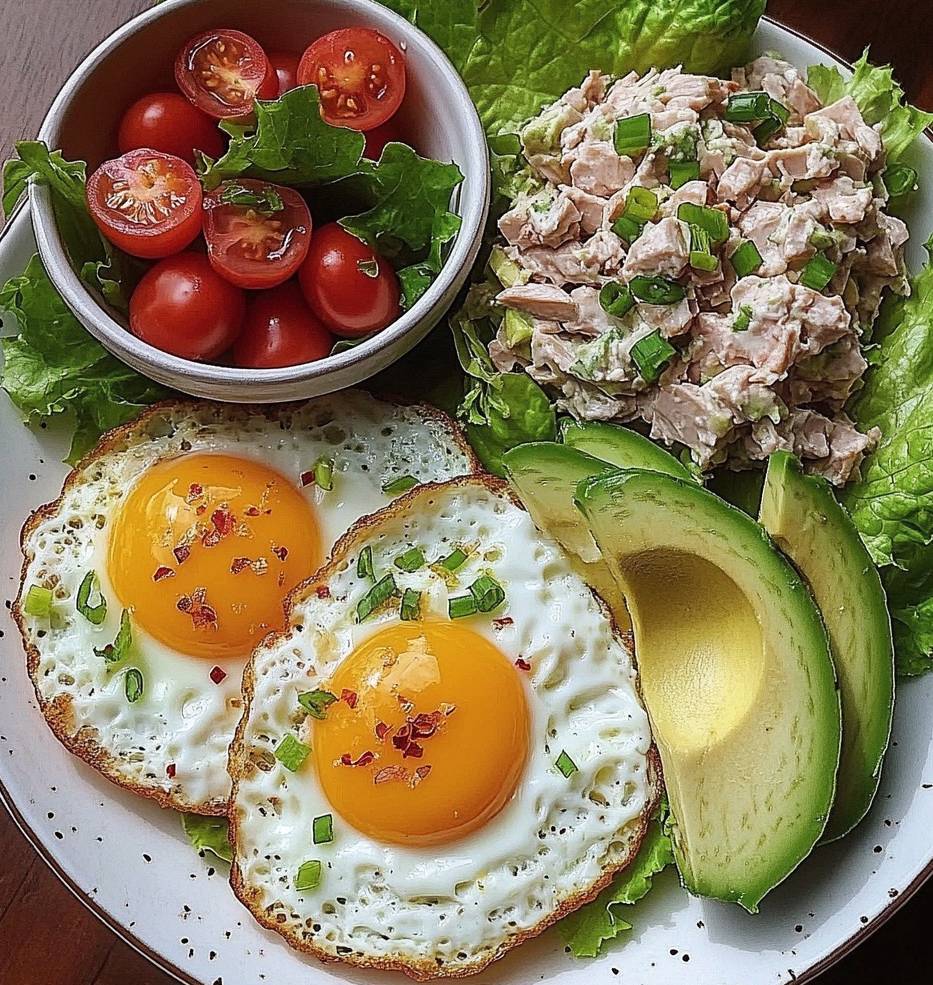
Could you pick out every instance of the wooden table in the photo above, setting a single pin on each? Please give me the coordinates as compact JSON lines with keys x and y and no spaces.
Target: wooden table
{"x":46,"y":936}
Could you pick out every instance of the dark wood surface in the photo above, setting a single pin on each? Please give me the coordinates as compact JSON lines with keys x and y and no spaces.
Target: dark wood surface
{"x":46,"y":936}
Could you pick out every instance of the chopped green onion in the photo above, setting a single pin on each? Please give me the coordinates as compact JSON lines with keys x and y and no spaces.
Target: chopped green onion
{"x":821,"y":239}
{"x":291,"y":753}
{"x":641,"y":205}
{"x":309,"y":876}
{"x":364,"y":564}
{"x":656,"y":290}
{"x":743,"y":319}
{"x":633,"y":135}
{"x":316,"y":703}
{"x":616,"y":299}
{"x":322,"y":829}
{"x":651,"y":354}
{"x":411,"y":560}
{"x":116,"y":651}
{"x":683,"y":171}
{"x":566,"y":765}
{"x":400,"y":485}
{"x":410,"y":609}
{"x":133,"y":685}
{"x":488,"y":593}
{"x":456,"y":559}
{"x":748,"y":107}
{"x":381,"y":592}
{"x":324,"y":473}
{"x":746,"y":259}
{"x":627,"y":229}
{"x":900,"y":180}
{"x":701,"y":254}
{"x":462,"y":605}
{"x":95,"y":614}
{"x":713,"y":221}
{"x":38,"y":601}
{"x":773,"y":123}
{"x":818,"y":272}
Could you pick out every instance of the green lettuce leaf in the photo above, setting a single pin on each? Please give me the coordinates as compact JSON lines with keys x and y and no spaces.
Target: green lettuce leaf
{"x":589,"y":928}
{"x":880,"y":99}
{"x":208,"y":834}
{"x":892,"y":504}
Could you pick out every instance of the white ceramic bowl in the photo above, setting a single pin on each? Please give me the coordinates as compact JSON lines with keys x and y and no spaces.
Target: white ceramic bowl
{"x":139,"y":57}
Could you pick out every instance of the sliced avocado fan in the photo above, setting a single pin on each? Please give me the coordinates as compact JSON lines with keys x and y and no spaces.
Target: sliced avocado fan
{"x":802,"y":515}
{"x":736,"y":676}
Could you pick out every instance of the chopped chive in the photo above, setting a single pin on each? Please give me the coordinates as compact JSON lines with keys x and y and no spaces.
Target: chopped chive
{"x":701,"y":254}
{"x":133,"y":685}
{"x":566,"y":765}
{"x":900,"y":180}
{"x":651,"y":354}
{"x":616,"y":299}
{"x":641,"y":205}
{"x":291,"y":753}
{"x":116,"y":651}
{"x":627,"y":229}
{"x":364,"y":564}
{"x":456,"y":559}
{"x":322,"y":829}
{"x":324,"y":473}
{"x":309,"y":876}
{"x":316,"y":703}
{"x":381,"y":592}
{"x":95,"y":614}
{"x":411,"y":560}
{"x":461,"y":606}
{"x":773,"y":124}
{"x":633,"y":135}
{"x":746,"y":259}
{"x":748,"y":107}
{"x":488,"y":593}
{"x":683,"y":171}
{"x":410,"y":609}
{"x":400,"y":485}
{"x":38,"y":601}
{"x":713,"y":221}
{"x":743,"y":319}
{"x":656,"y":290}
{"x":818,"y":272}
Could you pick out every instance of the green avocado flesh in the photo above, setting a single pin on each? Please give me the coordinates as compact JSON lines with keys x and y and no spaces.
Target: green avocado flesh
{"x":736,"y":676}
{"x":620,"y":446}
{"x":801,"y":513}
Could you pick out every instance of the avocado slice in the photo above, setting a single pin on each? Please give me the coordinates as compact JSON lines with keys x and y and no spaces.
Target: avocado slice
{"x":620,"y":446}
{"x":803,"y":517}
{"x":736,"y":675}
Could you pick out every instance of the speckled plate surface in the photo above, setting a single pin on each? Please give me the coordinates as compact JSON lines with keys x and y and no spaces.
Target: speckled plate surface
{"x":130,"y":863}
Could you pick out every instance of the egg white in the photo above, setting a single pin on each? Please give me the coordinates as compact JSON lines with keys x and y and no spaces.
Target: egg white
{"x":454,"y":907}
{"x":172,"y":743}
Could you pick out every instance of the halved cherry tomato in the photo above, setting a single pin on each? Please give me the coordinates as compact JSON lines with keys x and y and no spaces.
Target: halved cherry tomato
{"x":146,"y":202}
{"x":183,"y":307}
{"x":281,"y":330}
{"x":360,"y":75}
{"x":377,"y":139}
{"x":285,"y":65}
{"x":352,"y":289}
{"x":257,"y":233}
{"x":167,"y":122}
{"x":223,"y":71}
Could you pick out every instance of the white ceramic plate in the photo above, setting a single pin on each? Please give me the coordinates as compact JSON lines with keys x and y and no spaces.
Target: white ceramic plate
{"x":130,"y":863}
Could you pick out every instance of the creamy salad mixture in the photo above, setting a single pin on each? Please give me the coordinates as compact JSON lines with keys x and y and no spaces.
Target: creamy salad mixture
{"x":706,"y":256}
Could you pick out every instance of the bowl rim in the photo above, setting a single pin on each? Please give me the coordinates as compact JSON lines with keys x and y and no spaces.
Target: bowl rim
{"x":472,"y":205}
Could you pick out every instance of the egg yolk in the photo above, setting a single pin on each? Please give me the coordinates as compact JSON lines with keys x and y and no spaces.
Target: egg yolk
{"x":428,"y":737}
{"x":206,"y":547}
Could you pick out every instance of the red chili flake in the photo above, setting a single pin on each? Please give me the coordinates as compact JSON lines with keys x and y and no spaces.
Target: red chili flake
{"x":239,"y":564}
{"x":196,"y":606}
{"x":423,"y":726}
{"x":402,"y":737}
{"x":350,"y":697}
{"x":503,"y":622}
{"x":280,"y":552}
{"x":322,"y":592}
{"x":201,"y":510}
{"x":522,"y":664}
{"x":162,"y":572}
{"x":413,"y":750}
{"x":382,"y":730}
{"x":170,"y":771}
{"x":224,"y":521}
{"x":389,"y":773}
{"x":252,"y":511}
{"x":195,"y":490}
{"x":364,"y":759}
{"x":182,"y":553}
{"x":307,"y":478}
{"x":420,"y":774}
{"x":218,"y":675}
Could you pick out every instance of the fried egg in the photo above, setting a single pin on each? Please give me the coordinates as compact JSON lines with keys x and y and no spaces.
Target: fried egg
{"x":170,"y":554}
{"x":446,"y":751}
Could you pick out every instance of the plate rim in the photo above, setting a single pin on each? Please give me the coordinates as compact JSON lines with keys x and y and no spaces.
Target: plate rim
{"x":168,"y":967}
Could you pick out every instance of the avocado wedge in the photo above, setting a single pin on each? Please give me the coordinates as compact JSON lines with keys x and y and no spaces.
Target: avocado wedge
{"x":803,"y":517}
{"x":620,"y":446}
{"x":736,"y":675}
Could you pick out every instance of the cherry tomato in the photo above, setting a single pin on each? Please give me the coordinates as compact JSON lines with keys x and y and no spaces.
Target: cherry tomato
{"x":223,"y":71}
{"x":167,"y":122}
{"x":183,"y":307}
{"x":360,"y":75}
{"x":257,"y":233}
{"x":285,"y":65}
{"x":281,"y":330}
{"x":146,"y":202}
{"x":352,"y":289}
{"x":377,"y":139}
